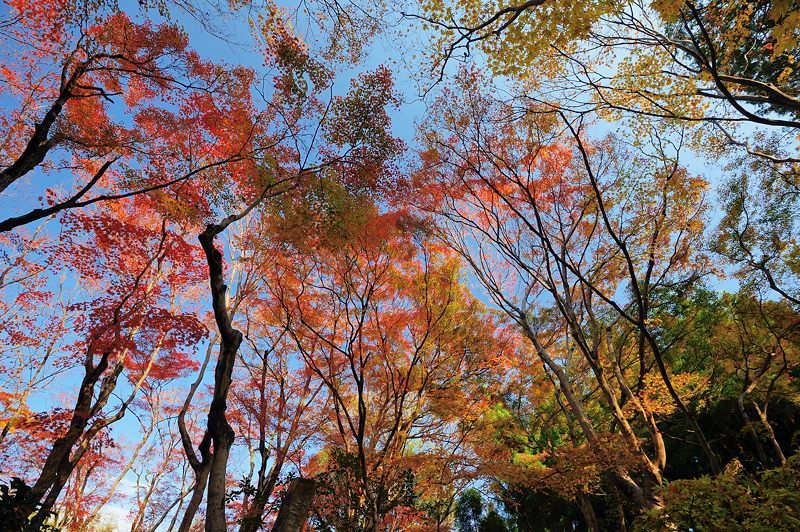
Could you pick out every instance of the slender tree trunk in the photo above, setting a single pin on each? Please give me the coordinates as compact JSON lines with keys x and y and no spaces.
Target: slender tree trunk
{"x":653,"y":473}
{"x":64,"y":456}
{"x":762,"y":416}
{"x":177,"y":504}
{"x":128,"y":466}
{"x":219,"y":429}
{"x":644,"y":499}
{"x":199,"y":489}
{"x":60,"y":463}
{"x":711,"y":456}
{"x":199,"y":465}
{"x":138,"y":523}
{"x":656,"y":437}
{"x":587,"y":510}
{"x":762,"y":456}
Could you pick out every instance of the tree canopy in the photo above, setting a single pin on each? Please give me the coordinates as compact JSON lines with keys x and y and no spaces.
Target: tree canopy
{"x":446,"y":265}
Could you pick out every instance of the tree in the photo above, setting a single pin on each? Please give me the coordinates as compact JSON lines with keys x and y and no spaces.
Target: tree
{"x":556,"y":229}
{"x":468,"y":510}
{"x":93,"y":59}
{"x":676,"y":53}
{"x":754,"y":235}
{"x":124,"y":328}
{"x":360,"y":131}
{"x":757,"y":346}
{"x":383,"y":325}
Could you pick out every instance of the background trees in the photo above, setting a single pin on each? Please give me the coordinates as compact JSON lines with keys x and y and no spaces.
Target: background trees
{"x":678,"y":76}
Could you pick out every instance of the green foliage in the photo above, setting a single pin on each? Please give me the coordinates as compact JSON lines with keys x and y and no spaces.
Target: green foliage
{"x":493,"y":522}
{"x":468,"y":510}
{"x":471,"y":517}
{"x":731,"y":501}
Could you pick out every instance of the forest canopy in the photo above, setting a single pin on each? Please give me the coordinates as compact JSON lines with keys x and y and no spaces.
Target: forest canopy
{"x":430,"y":265}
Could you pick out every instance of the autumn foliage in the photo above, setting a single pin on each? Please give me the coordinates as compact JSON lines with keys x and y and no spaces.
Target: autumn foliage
{"x":472,"y":266}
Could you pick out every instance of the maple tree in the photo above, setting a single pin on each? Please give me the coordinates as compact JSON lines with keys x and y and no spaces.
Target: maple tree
{"x":357,"y":149}
{"x":95,"y":59}
{"x":126,"y":307}
{"x":726,"y":71}
{"x":386,"y":328}
{"x":237,"y":294}
{"x":682,"y":73}
{"x":533,"y":216}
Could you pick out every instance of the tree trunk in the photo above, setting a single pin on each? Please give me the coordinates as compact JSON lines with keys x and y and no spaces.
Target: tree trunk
{"x":252,"y":519}
{"x":711,"y":456}
{"x":585,"y":505}
{"x":296,"y":505}
{"x":201,"y":480}
{"x":762,"y":416}
{"x":38,"y":145}
{"x":59,"y":463}
{"x":219,"y":429}
{"x":643,"y":498}
{"x":656,"y":437}
{"x":762,"y":456}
